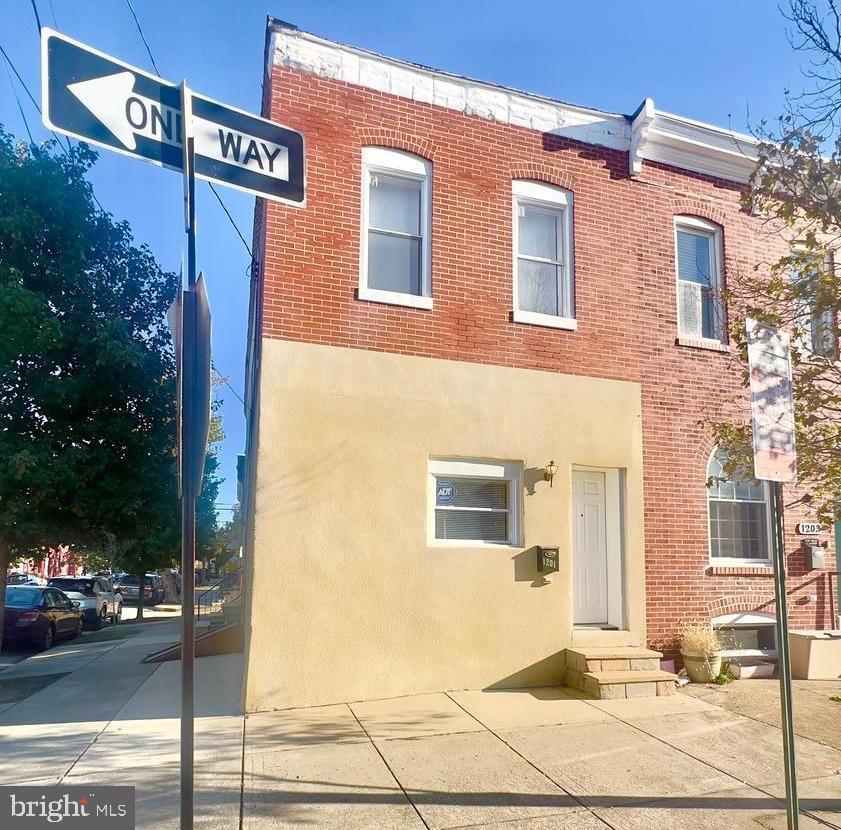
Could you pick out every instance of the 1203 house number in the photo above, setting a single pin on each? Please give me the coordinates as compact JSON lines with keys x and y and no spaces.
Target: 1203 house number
{"x":809,"y":528}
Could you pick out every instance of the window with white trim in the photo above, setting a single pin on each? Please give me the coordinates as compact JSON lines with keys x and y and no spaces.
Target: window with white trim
{"x":747,"y":634}
{"x":700,"y":310}
{"x":739,"y":516}
{"x":543,"y":274}
{"x":816,"y":321}
{"x":473,"y":502}
{"x":395,"y":239}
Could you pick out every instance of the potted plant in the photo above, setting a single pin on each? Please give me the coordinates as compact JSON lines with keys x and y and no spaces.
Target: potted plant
{"x":700,"y":647}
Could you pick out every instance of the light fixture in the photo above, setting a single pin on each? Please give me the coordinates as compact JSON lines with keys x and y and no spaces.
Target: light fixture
{"x":549,"y":472}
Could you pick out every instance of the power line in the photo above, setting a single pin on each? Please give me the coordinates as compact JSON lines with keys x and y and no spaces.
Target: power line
{"x":20,"y":106}
{"x":155,"y":65}
{"x":36,"y":104}
{"x":37,"y":16}
{"x":231,"y":218}
{"x":142,"y":36}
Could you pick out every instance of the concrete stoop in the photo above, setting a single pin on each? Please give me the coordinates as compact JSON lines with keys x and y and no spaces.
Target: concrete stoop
{"x":617,"y":672}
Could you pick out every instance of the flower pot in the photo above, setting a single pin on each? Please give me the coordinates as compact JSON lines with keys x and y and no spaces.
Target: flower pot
{"x":702,"y":668}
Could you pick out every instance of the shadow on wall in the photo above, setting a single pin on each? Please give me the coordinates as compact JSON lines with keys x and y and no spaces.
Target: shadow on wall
{"x":525,"y":568}
{"x":546,"y":672}
{"x":531,"y":477}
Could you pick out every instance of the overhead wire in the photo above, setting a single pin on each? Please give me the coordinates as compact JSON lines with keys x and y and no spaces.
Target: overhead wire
{"x":239,"y":233}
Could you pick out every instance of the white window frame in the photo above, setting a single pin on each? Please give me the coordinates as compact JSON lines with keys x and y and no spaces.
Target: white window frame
{"x":510,"y":471}
{"x":405,"y":165}
{"x":747,"y":619}
{"x":729,"y":562}
{"x":525,"y":192}
{"x":807,"y":342}
{"x":695,"y":225}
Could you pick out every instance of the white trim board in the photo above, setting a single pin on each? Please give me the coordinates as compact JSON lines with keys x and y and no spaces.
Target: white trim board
{"x":649,"y":134}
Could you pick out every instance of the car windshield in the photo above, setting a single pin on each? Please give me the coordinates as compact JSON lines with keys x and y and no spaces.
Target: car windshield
{"x":20,"y":597}
{"x":132,"y":580}
{"x":77,"y":585}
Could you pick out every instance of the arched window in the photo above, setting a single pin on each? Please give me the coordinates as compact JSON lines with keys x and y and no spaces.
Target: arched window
{"x":740,"y":516}
{"x":542,"y":235}
{"x":396,"y":221}
{"x":698,"y":257}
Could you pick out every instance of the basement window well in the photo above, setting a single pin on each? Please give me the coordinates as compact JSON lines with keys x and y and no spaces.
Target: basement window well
{"x":747,"y":634}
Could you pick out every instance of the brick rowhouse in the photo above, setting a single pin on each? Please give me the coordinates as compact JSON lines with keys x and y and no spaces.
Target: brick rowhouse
{"x":625,"y":302}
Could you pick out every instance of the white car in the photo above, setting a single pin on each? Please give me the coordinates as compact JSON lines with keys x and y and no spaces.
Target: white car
{"x":96,"y":597}
{"x":16,"y":578}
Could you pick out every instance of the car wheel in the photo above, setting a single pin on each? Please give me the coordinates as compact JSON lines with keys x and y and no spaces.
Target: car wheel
{"x":102,"y":618}
{"x":118,"y":614}
{"x":48,"y":639}
{"x":77,"y":632}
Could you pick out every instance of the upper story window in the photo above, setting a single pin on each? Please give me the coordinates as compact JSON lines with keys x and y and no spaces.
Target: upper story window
{"x":543,"y":279}
{"x":816,"y":319}
{"x":395,"y":257}
{"x":700,"y":309}
{"x":740,"y":516}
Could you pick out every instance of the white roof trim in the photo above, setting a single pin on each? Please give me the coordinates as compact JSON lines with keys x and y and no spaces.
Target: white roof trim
{"x":691,"y":145}
{"x":314,"y":55}
{"x":650,"y":134}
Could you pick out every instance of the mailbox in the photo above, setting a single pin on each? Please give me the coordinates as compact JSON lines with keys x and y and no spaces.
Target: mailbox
{"x":817,"y":555}
{"x":547,"y":560}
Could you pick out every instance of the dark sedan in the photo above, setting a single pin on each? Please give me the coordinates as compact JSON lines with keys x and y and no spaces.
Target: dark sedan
{"x":40,"y":616}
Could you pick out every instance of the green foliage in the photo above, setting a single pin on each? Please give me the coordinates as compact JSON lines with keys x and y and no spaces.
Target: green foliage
{"x":835,"y":698}
{"x":795,"y":190}
{"x":87,"y":376}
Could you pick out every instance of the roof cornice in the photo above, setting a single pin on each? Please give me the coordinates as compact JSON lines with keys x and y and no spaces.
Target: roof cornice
{"x":649,"y":134}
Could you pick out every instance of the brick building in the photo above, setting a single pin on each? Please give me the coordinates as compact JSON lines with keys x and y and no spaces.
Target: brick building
{"x":495,"y":329}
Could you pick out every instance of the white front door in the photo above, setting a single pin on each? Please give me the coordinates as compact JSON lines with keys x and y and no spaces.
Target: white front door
{"x":589,"y":548}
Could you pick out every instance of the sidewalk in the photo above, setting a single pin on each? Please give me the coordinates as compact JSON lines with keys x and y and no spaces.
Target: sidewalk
{"x":541,"y":759}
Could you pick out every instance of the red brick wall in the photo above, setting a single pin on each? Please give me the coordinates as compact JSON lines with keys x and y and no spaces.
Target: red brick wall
{"x":624,"y":286}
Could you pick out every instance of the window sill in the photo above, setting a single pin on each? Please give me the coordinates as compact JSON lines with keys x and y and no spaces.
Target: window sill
{"x":706,"y":343}
{"x":740,"y":569}
{"x":375,"y":295}
{"x":533,"y":318}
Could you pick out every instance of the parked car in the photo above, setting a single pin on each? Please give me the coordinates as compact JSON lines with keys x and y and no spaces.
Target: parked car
{"x":40,"y":616}
{"x":96,"y":596}
{"x":25,"y":579}
{"x":153,"y":589}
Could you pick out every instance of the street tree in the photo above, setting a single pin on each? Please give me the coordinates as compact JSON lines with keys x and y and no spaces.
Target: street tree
{"x":796,"y":187}
{"x":87,"y":388}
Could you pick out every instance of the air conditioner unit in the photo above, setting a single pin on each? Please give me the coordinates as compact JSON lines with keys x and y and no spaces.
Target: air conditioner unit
{"x":691,"y":308}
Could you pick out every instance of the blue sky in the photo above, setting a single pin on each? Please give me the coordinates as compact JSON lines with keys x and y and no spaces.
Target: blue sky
{"x":714,"y":62}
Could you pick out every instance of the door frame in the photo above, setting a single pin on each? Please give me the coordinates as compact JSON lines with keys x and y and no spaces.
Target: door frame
{"x":614,"y":497}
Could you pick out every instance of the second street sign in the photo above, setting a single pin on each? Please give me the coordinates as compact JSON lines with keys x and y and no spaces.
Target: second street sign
{"x":96,"y":98}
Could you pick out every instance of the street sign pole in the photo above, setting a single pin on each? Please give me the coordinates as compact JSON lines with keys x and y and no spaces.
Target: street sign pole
{"x":784,"y":661}
{"x":775,"y":462}
{"x":99,"y":99}
{"x":188,"y":494}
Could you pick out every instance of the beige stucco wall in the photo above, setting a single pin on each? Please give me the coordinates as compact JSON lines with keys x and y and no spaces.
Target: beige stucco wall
{"x":348,"y":600}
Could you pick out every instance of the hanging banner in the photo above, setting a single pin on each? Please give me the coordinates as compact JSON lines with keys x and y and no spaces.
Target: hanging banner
{"x":772,"y":403}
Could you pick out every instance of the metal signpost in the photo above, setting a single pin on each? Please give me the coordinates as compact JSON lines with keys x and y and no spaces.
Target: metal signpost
{"x":91,"y":96}
{"x":775,"y":461}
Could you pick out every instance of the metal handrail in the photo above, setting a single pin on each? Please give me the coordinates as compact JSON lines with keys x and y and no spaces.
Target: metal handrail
{"x":221,"y":590}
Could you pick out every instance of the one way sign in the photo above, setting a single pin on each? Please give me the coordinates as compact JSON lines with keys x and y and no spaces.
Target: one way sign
{"x":96,"y":98}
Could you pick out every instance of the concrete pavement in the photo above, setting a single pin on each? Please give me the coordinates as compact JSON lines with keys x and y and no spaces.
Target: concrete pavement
{"x":540,"y":759}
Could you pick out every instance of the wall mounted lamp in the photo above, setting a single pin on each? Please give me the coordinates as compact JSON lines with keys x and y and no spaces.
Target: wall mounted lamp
{"x":549,"y":472}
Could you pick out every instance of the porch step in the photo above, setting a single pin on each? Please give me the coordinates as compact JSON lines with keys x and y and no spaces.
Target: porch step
{"x":610,"y":685}
{"x":606,"y":672}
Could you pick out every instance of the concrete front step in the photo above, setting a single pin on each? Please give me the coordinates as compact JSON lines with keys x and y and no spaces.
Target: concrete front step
{"x":621,"y":658}
{"x":610,"y":685}
{"x":617,"y":672}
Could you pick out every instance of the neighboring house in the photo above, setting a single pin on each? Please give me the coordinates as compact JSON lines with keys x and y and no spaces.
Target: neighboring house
{"x":484,"y":288}
{"x":58,"y":561}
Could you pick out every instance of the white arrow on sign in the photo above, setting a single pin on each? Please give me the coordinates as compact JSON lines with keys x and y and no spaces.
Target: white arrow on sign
{"x":112,"y":100}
